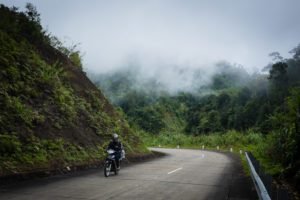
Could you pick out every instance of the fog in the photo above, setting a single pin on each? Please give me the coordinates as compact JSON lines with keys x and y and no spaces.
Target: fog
{"x":169,"y":78}
{"x":171,"y":39}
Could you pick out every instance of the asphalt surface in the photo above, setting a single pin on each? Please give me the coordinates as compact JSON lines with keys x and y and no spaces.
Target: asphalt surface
{"x":183,"y":174}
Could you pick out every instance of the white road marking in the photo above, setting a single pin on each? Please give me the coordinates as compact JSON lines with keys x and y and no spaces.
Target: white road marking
{"x":174,"y":170}
{"x":202,"y":155}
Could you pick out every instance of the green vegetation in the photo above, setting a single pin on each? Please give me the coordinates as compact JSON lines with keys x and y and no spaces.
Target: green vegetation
{"x":48,"y":118}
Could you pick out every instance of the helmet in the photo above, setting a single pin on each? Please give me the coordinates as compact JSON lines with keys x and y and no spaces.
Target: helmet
{"x":115,"y":137}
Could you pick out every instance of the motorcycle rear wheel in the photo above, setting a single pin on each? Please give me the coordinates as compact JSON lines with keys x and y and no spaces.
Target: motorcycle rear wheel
{"x":107,"y":168}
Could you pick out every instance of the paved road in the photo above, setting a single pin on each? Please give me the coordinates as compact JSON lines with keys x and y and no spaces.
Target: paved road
{"x":184,"y":174}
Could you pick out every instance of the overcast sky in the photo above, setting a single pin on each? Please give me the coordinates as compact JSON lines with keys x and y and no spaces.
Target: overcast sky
{"x":172,"y":32}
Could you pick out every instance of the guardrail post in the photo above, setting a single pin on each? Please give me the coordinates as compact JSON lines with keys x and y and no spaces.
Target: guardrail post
{"x":218,"y":148}
{"x":268,"y":183}
{"x":256,"y":165}
{"x":202,"y":146}
{"x":282,"y":194}
{"x":261,"y":171}
{"x":230,"y":149}
{"x":251,"y":156}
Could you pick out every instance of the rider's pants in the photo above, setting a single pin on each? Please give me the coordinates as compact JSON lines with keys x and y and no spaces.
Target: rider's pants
{"x":117,"y":157}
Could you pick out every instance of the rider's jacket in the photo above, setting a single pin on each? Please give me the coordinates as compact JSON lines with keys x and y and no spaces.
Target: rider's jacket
{"x":117,"y":146}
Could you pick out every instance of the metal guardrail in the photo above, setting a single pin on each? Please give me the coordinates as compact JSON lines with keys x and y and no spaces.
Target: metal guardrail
{"x":262,"y":181}
{"x":259,"y":185}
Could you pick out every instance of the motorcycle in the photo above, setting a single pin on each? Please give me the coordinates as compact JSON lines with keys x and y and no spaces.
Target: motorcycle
{"x":110,"y":163}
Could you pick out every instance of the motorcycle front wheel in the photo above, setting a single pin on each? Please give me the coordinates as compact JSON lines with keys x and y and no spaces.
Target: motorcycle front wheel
{"x":107,"y":168}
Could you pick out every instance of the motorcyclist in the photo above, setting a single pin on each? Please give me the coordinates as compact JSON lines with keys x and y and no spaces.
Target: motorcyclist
{"x":117,"y":146}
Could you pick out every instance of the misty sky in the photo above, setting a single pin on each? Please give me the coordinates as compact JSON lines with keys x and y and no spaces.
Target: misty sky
{"x":160,"y":33}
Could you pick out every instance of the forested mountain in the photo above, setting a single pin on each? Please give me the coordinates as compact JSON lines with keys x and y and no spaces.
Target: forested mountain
{"x":52,"y":115}
{"x":233,"y":99}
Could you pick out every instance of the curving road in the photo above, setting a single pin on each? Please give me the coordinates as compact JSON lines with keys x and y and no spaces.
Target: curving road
{"x":183,"y":174}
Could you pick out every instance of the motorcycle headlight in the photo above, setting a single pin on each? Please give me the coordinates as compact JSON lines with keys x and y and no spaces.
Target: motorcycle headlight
{"x":110,"y":151}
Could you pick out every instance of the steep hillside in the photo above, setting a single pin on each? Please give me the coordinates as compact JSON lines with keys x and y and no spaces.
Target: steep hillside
{"x":52,"y":115}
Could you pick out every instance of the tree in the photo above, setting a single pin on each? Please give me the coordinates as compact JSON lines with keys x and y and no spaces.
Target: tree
{"x":296,"y":52}
{"x":243,"y":96}
{"x":279,"y":82}
{"x":150,"y":119}
{"x":223,"y":100}
{"x":276,"y":56}
{"x":72,"y":52}
{"x":286,"y":139}
{"x":75,"y":57}
{"x":278,"y":72}
{"x":210,"y":123}
{"x":250,"y":113}
{"x":32,"y":13}
{"x":238,"y":117}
